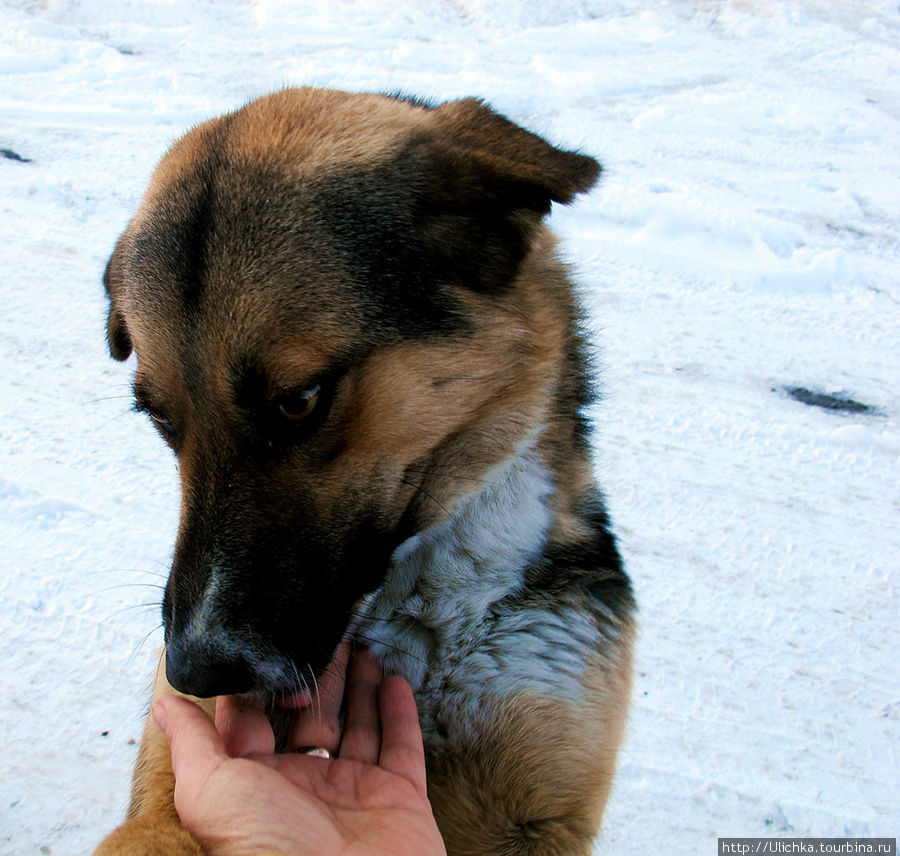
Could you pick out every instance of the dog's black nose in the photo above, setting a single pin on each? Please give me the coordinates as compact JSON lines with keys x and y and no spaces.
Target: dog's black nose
{"x":201,"y":668}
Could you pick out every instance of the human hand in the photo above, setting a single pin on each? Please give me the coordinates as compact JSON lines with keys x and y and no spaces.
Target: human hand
{"x":238,"y":797}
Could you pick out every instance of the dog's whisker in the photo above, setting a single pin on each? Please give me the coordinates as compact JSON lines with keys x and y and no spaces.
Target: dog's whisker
{"x":127,"y":395}
{"x":112,"y":419}
{"x":106,"y":571}
{"x":315,"y":693}
{"x":330,"y":670}
{"x":366,"y":617}
{"x":450,"y":475}
{"x":394,"y":648}
{"x":420,"y":489}
{"x":154,"y":604}
{"x":156,"y":586}
{"x":143,"y":641}
{"x":471,"y":463}
{"x":296,"y":684}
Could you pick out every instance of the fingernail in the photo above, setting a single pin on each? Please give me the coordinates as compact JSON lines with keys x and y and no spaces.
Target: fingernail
{"x":159,"y":714}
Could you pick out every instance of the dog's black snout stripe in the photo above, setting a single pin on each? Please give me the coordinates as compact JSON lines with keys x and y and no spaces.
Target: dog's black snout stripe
{"x":203,"y":669}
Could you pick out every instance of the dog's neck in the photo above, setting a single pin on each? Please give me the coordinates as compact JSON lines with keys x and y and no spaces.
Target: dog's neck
{"x":443,"y":581}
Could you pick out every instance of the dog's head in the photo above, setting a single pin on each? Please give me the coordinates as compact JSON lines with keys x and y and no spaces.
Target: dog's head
{"x":345,"y":310}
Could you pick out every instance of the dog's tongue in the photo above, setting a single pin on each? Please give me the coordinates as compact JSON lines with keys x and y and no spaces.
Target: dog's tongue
{"x":296,"y":701}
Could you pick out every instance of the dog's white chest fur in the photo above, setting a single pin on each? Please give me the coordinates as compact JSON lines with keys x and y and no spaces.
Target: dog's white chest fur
{"x":447,"y":618}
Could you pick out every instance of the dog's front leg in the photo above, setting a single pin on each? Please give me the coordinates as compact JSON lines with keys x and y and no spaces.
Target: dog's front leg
{"x":152,"y":827}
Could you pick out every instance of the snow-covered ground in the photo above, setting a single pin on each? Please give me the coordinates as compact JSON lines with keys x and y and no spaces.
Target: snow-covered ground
{"x":744,"y":240}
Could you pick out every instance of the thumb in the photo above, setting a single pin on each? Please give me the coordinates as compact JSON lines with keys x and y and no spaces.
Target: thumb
{"x":197,"y":748}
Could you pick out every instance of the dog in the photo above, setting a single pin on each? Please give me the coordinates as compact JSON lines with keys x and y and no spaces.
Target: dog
{"x":352,"y":327}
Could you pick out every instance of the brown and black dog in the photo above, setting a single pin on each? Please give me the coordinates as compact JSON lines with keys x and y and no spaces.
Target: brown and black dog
{"x":352,"y":328}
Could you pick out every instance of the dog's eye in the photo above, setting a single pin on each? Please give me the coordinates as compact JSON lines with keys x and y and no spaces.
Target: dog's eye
{"x":163,"y":424}
{"x":296,"y":406}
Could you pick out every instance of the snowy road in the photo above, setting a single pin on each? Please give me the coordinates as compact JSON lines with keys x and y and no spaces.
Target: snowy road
{"x":744,"y":240}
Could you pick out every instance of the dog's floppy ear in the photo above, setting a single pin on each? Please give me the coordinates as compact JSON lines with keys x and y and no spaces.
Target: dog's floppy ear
{"x":487,"y":185}
{"x":117,"y":335}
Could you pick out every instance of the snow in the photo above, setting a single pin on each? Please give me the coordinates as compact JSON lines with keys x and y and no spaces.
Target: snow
{"x":744,"y":240}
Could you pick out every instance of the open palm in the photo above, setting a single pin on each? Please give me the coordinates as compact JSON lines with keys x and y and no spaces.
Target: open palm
{"x":238,"y":797}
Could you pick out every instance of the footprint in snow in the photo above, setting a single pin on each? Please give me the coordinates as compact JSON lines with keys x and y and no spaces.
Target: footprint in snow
{"x":835,"y":402}
{"x":9,"y":154}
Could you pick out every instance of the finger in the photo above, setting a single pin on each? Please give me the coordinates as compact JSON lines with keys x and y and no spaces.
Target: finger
{"x":402,"y":751}
{"x":245,"y":729}
{"x":197,"y":748}
{"x":362,"y":728}
{"x":320,"y":723}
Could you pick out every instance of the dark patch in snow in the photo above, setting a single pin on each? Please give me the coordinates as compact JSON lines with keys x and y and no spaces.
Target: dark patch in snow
{"x":836,"y":402}
{"x":9,"y":154}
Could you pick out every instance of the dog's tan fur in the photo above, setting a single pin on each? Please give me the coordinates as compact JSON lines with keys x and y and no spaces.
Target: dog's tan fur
{"x":414,"y":427}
